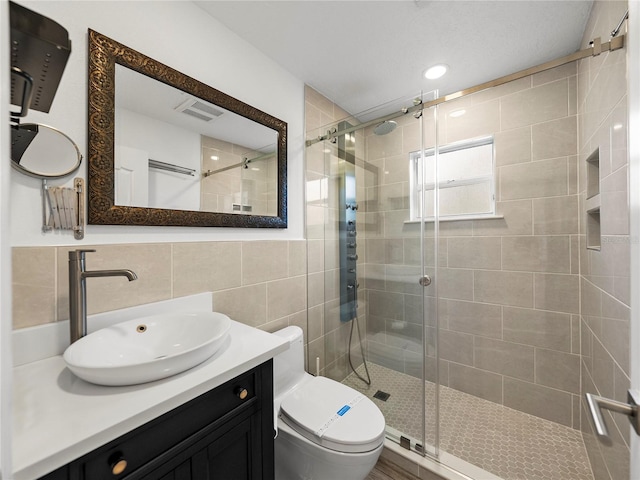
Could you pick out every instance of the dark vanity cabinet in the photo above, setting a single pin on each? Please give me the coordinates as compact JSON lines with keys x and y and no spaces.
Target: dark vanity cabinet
{"x":224,"y":434}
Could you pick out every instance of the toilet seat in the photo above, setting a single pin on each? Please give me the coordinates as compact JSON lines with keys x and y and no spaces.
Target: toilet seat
{"x":334,"y":416}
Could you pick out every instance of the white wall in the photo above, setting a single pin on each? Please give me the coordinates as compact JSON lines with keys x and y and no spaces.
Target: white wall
{"x":165,"y":143}
{"x":5,"y":252}
{"x":183,"y":36}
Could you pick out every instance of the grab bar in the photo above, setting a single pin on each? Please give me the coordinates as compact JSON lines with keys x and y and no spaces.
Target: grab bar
{"x":597,"y":403}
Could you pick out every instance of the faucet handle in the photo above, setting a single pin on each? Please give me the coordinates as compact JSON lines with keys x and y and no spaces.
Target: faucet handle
{"x":78,"y":254}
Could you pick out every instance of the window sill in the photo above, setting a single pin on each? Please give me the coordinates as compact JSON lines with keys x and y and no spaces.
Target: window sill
{"x":459,"y":218}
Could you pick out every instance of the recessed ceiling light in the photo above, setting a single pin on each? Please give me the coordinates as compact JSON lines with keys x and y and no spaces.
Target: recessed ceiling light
{"x":458,"y":113}
{"x":436,"y":71}
{"x":214,"y":157}
{"x":617,"y":126}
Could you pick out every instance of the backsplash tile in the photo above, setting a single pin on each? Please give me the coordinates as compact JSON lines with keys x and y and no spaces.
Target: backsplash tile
{"x":165,"y":271}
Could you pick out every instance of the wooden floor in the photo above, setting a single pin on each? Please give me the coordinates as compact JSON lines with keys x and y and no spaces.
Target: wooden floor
{"x":385,"y":470}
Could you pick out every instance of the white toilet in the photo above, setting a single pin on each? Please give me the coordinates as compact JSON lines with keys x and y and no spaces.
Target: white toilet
{"x":326,"y":430}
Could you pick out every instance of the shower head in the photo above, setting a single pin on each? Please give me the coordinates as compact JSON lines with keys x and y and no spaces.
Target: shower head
{"x":385,"y":127}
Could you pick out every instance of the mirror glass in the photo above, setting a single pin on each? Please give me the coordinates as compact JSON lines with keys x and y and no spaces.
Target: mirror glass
{"x":43,"y":152}
{"x":166,"y":149}
{"x":174,"y":150}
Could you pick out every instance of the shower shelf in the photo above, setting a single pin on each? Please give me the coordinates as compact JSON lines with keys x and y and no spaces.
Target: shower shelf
{"x":592,"y":202}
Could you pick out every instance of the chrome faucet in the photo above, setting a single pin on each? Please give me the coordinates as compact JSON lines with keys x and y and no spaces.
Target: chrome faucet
{"x":78,"y":290}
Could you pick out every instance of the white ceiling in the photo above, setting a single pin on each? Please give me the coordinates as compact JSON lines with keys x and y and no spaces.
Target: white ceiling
{"x":363,"y":53}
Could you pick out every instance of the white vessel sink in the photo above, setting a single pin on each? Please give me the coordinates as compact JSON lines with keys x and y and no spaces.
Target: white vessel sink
{"x":147,"y":348}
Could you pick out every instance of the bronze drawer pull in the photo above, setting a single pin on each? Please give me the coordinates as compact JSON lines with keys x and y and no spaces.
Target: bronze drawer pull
{"x":117,"y":463}
{"x":242,"y":393}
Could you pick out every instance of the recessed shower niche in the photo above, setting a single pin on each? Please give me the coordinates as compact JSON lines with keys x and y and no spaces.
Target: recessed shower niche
{"x":592,"y":202}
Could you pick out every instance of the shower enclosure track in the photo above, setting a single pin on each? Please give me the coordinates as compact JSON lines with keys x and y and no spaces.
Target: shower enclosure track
{"x":596,"y":48}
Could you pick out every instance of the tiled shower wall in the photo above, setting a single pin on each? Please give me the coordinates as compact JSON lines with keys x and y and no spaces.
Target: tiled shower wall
{"x":328,"y":336}
{"x":508,"y":288}
{"x":605,"y":273}
{"x":259,"y":283}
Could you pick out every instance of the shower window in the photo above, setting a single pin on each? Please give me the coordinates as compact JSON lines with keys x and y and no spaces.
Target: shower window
{"x":466,"y":180}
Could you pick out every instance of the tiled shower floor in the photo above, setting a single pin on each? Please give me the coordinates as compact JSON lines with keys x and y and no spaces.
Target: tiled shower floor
{"x":508,"y":443}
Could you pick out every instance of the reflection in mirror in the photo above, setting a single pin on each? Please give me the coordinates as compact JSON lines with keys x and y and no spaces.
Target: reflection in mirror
{"x":166,"y":149}
{"x":168,"y":144}
{"x":43,"y":152}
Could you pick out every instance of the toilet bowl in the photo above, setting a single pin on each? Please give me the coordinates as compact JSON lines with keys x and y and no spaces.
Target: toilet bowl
{"x":326,"y":430}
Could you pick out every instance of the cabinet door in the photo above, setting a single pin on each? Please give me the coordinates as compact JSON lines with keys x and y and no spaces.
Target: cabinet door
{"x":232,"y":452}
{"x":235,"y":454}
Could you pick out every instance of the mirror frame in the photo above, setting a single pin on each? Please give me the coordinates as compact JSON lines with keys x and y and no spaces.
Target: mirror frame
{"x":104,"y":54}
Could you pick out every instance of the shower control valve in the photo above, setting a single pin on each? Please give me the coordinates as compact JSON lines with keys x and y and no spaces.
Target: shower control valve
{"x":352,"y":233}
{"x":352,"y":256}
{"x":352,"y":245}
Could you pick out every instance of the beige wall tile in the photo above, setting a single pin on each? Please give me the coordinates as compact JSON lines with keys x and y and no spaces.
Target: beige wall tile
{"x":517,"y":220}
{"x":556,"y":138}
{"x":318,"y":100}
{"x":615,"y":339}
{"x":456,"y":347}
{"x":476,"y":382}
{"x":567,"y":70}
{"x":297,"y":258}
{"x":386,"y":305}
{"x":455,"y":283}
{"x":513,"y":146}
{"x":503,"y":288}
{"x":538,"y":328}
{"x":505,"y":358}
{"x":264,"y":260}
{"x":32,"y":305}
{"x":558,"y":370}
{"x":471,"y":317}
{"x":559,"y":293}
{"x":478,"y":120}
{"x":403,"y":279}
{"x":151,"y":263}
{"x":315,"y":256}
{"x":384,"y":146}
{"x":539,"y":104}
{"x":537,"y":400}
{"x":205,"y":267}
{"x":474,"y":252}
{"x":544,"y":178}
{"x":244,"y":304}
{"x":555,"y":215}
{"x":537,"y":254}
{"x":33,"y":286}
{"x":34,"y":266}
{"x":614,"y":216}
{"x":286,"y":297}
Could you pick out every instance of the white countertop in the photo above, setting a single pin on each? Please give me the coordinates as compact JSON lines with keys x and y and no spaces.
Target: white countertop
{"x":58,"y":417}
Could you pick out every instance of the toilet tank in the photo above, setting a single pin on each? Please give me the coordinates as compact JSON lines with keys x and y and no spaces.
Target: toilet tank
{"x":288,"y":366}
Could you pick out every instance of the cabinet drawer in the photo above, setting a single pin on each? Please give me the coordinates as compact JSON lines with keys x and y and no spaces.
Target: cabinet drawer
{"x":124,"y":455}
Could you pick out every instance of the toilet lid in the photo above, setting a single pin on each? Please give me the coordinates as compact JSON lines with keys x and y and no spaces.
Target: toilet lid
{"x":334,"y":416}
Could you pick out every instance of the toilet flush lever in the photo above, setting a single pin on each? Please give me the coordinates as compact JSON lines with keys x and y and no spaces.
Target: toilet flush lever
{"x":597,"y":403}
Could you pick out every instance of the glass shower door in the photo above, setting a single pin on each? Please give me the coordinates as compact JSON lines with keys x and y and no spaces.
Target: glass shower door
{"x":374,"y":255}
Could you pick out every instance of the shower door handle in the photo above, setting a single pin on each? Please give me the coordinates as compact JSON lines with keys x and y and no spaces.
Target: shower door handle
{"x":597,"y":403}
{"x":425,"y":281}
